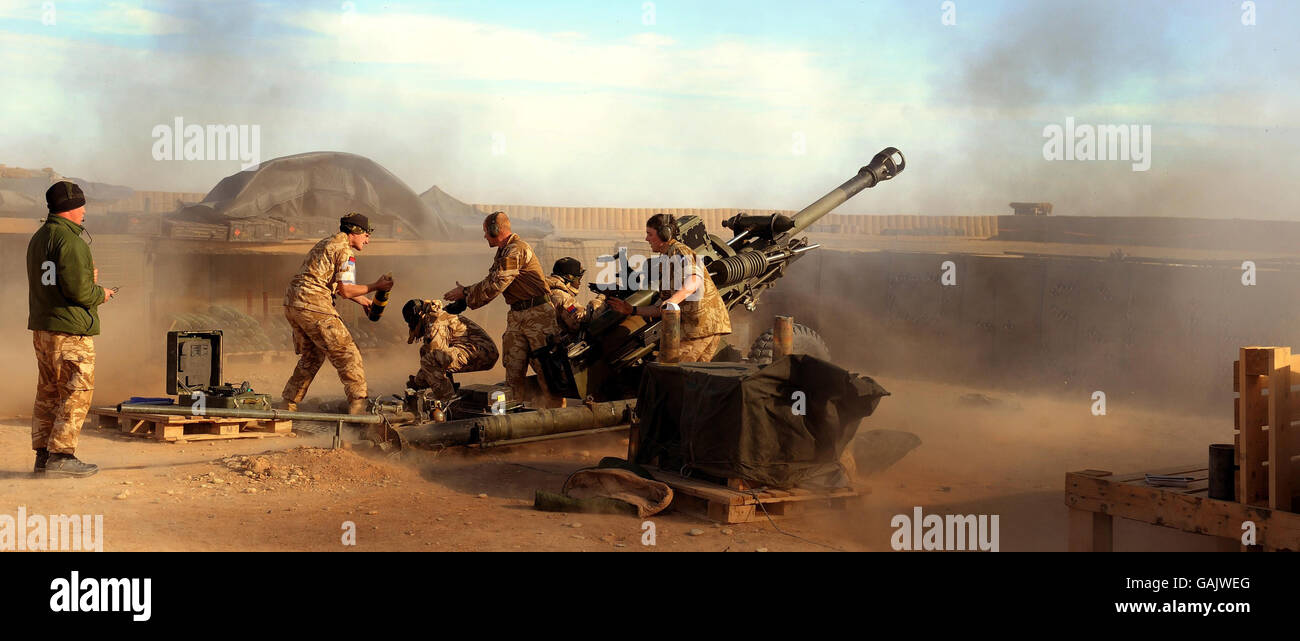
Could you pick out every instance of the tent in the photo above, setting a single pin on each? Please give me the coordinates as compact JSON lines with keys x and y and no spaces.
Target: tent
{"x":310,"y":192}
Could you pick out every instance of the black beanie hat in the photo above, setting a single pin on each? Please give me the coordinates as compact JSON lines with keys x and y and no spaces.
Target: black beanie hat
{"x":355,"y":223}
{"x":64,"y":196}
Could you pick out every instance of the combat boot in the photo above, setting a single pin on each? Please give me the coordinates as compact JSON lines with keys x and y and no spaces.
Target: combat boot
{"x":42,"y":457}
{"x":289,"y":405}
{"x":68,"y":465}
{"x":359,"y":406}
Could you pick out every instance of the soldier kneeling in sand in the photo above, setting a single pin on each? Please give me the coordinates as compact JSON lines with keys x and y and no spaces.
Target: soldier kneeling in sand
{"x":451,"y":344}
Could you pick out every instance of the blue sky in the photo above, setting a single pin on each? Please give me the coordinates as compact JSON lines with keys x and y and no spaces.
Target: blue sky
{"x":749,"y":104}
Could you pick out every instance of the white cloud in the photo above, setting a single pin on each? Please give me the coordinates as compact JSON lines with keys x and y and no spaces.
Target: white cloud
{"x":124,"y":19}
{"x":637,"y":121}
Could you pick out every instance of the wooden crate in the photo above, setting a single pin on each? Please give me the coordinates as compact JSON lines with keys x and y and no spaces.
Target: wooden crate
{"x":1096,"y":496}
{"x":179,"y":429}
{"x":1265,"y":439}
{"x":735,"y":503}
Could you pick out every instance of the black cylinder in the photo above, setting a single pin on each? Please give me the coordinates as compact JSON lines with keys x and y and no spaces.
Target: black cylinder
{"x":1223,"y":472}
{"x":733,"y":269}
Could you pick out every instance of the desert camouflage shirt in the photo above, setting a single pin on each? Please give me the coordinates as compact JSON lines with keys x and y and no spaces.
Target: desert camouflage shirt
{"x":329,"y":263}
{"x":703,"y":313}
{"x":515,"y":273}
{"x":568,"y":313}
{"x":440,"y":330}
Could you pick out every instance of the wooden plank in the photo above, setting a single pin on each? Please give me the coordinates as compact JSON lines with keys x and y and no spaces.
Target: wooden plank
{"x":1255,"y":361}
{"x":167,"y":431}
{"x":1090,"y":531}
{"x":1276,"y":530}
{"x":1252,"y":450}
{"x":707,"y":491}
{"x":217,"y":437}
{"x":1281,"y":435}
{"x":1190,"y":469}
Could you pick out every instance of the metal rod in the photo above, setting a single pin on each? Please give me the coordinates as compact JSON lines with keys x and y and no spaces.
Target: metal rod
{"x":670,"y":335}
{"x":782,"y":337}
{"x":551,"y":437}
{"x":223,"y":412}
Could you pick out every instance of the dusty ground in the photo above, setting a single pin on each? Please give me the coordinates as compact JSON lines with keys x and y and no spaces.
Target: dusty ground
{"x":1007,"y":459}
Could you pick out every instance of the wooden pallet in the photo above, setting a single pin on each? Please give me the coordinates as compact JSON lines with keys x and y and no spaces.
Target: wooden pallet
{"x":1265,"y":439}
{"x":1096,"y":496}
{"x":179,"y":429}
{"x":736,"y":503}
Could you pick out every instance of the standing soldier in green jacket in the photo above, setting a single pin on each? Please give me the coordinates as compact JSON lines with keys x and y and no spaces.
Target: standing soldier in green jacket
{"x":63,"y":314}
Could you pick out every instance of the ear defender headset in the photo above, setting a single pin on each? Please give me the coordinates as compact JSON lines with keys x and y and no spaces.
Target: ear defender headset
{"x":666,"y":227}
{"x":492,"y":227}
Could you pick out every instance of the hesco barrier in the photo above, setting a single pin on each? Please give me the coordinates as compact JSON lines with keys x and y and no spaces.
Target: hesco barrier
{"x":1150,"y":333}
{"x":1192,"y":233}
{"x":632,"y":221}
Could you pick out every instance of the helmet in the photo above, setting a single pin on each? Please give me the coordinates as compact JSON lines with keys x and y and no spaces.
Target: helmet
{"x":569,"y":269}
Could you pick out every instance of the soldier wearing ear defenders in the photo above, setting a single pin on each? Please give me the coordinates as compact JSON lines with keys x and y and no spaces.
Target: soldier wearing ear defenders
{"x":688,"y":285}
{"x":516,"y":276}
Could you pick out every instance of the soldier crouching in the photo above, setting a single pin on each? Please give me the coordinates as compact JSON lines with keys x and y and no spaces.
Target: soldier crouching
{"x":451,"y":344}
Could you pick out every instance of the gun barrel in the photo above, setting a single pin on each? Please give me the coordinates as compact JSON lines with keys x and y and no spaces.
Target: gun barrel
{"x":516,"y":426}
{"x":885,"y":165}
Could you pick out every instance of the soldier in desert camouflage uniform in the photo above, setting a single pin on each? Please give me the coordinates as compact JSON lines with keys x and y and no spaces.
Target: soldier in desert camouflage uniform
{"x":451,"y":344}
{"x":63,"y":314}
{"x":318,"y":332}
{"x":565,"y":278}
{"x":516,"y":276}
{"x":684,"y":281}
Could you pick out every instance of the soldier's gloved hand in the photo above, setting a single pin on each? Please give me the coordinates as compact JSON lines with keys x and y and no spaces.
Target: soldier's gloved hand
{"x":455,"y":307}
{"x":384,"y":284}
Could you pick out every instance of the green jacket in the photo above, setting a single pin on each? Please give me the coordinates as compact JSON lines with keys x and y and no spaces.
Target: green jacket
{"x":61,"y":292}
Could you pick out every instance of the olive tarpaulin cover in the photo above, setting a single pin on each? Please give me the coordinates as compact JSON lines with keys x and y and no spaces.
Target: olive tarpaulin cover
{"x":735,"y":420}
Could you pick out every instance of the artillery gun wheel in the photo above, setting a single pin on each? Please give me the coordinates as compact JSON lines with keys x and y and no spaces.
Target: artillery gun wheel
{"x":806,"y":341}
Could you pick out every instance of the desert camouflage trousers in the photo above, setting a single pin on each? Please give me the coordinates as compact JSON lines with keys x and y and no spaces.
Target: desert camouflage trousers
{"x":65,"y":382}
{"x":317,"y":337}
{"x":526,"y":331}
{"x":699,"y":350}
{"x":476,"y":354}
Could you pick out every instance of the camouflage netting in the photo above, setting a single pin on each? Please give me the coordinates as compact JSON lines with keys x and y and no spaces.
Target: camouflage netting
{"x":317,"y":186}
{"x":243,"y":334}
{"x":469,"y":219}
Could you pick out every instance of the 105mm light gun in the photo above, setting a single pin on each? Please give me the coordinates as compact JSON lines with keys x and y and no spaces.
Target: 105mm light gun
{"x":603,"y":361}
